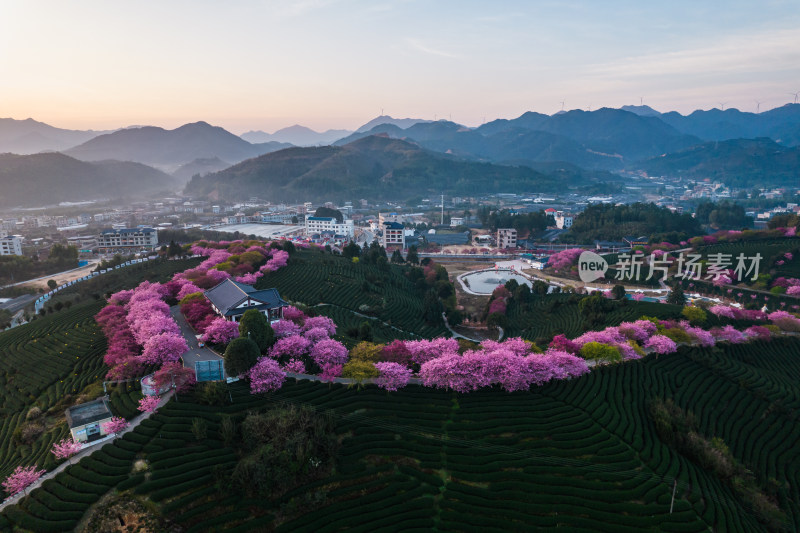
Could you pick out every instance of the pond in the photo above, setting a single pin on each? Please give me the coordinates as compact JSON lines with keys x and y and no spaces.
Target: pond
{"x":486,"y":281}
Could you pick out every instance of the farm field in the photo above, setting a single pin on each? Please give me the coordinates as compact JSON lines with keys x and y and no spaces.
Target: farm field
{"x":582,"y":454}
{"x":313,"y":278}
{"x":55,"y":361}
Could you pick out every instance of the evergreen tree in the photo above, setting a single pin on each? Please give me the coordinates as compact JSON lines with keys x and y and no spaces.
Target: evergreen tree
{"x":618,"y":292}
{"x":431,"y":307}
{"x":240,"y":356}
{"x":397,"y":257}
{"x":351,"y":250}
{"x":412,"y":256}
{"x":254,"y":325}
{"x":676,"y":295}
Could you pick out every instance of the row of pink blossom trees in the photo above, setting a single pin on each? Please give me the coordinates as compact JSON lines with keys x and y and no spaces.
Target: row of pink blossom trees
{"x":140,"y":330}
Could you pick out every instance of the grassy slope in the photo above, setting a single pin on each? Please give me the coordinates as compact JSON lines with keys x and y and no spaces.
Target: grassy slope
{"x":581,"y":454}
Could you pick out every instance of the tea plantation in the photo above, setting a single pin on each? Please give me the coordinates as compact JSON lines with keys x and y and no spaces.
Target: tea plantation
{"x":48,"y":364}
{"x":584,"y":455}
{"x":314,"y":278}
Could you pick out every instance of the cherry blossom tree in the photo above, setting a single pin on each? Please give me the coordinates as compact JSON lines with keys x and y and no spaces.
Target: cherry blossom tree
{"x":320,"y":322}
{"x":294,"y":314}
{"x":187,"y":289}
{"x":425,"y":350}
{"x":295,"y":366}
{"x":316,"y":334}
{"x":21,"y":478}
{"x":329,"y":352}
{"x":285,"y":328}
{"x":728,"y":334}
{"x":661,"y":344}
{"x":758,"y":332}
{"x":221,"y":331}
{"x":174,"y":374}
{"x":392,"y":376}
{"x":115,"y":425}
{"x":65,"y":448}
{"x":265,"y":376}
{"x":329,"y":372}
{"x":149,"y":404}
{"x":164,"y":348}
{"x":291,"y":347}
{"x":396,"y":352}
{"x":561,"y":343}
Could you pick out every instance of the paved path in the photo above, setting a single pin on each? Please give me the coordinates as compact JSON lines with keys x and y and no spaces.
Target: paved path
{"x":19,"y":303}
{"x":86,"y":451}
{"x":195,"y":352}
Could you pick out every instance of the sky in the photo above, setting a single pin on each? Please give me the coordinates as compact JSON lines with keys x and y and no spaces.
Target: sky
{"x":264,"y":65}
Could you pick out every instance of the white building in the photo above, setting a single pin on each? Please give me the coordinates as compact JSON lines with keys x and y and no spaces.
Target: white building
{"x":11,"y":245}
{"x":563,"y":220}
{"x":506,"y":238}
{"x":320,"y":224}
{"x":130,"y":239}
{"x":393,"y":235}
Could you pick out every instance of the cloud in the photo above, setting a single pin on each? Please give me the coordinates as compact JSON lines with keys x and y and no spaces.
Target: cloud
{"x":421,"y":47}
{"x":766,"y":52}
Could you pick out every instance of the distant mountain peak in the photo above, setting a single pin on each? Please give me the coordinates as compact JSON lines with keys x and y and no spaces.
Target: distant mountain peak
{"x":402,"y":123}
{"x":641,"y":110}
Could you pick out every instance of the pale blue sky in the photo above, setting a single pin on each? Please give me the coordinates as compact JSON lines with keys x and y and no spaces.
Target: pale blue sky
{"x":336,"y":63}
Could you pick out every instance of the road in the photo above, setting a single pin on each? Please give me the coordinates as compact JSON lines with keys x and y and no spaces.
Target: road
{"x":19,"y":303}
{"x":195,"y":352}
{"x":74,"y":271}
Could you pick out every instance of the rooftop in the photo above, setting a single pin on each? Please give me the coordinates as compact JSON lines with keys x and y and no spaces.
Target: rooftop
{"x":86,"y":413}
{"x":128,"y":230}
{"x":228,"y":294}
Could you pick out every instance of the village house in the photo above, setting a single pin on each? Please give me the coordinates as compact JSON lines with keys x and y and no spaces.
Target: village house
{"x":86,"y":420}
{"x":230,"y":299}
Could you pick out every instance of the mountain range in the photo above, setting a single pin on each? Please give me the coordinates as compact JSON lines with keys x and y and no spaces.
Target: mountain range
{"x":737,"y":162}
{"x":297,"y":135}
{"x":574,"y":148}
{"x":169,"y":149}
{"x":51,"y":178}
{"x":30,"y":136}
{"x":372,"y":167}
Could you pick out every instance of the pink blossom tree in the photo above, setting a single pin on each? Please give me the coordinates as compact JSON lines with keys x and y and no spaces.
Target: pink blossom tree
{"x":316,"y":334}
{"x":221,"y":331}
{"x":149,"y":404}
{"x":392,"y":376}
{"x":728,"y":334}
{"x":115,"y":425}
{"x":396,"y":352}
{"x":164,"y":348}
{"x":175,"y":375}
{"x":561,"y":343}
{"x":329,"y":352}
{"x":294,"y":314}
{"x":21,"y":478}
{"x":425,"y":350}
{"x":292,"y":347}
{"x":65,"y":448}
{"x":320,"y":322}
{"x":285,"y":328}
{"x":265,"y":376}
{"x":661,"y":344}
{"x":331,"y":371}
{"x":296,"y":366}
